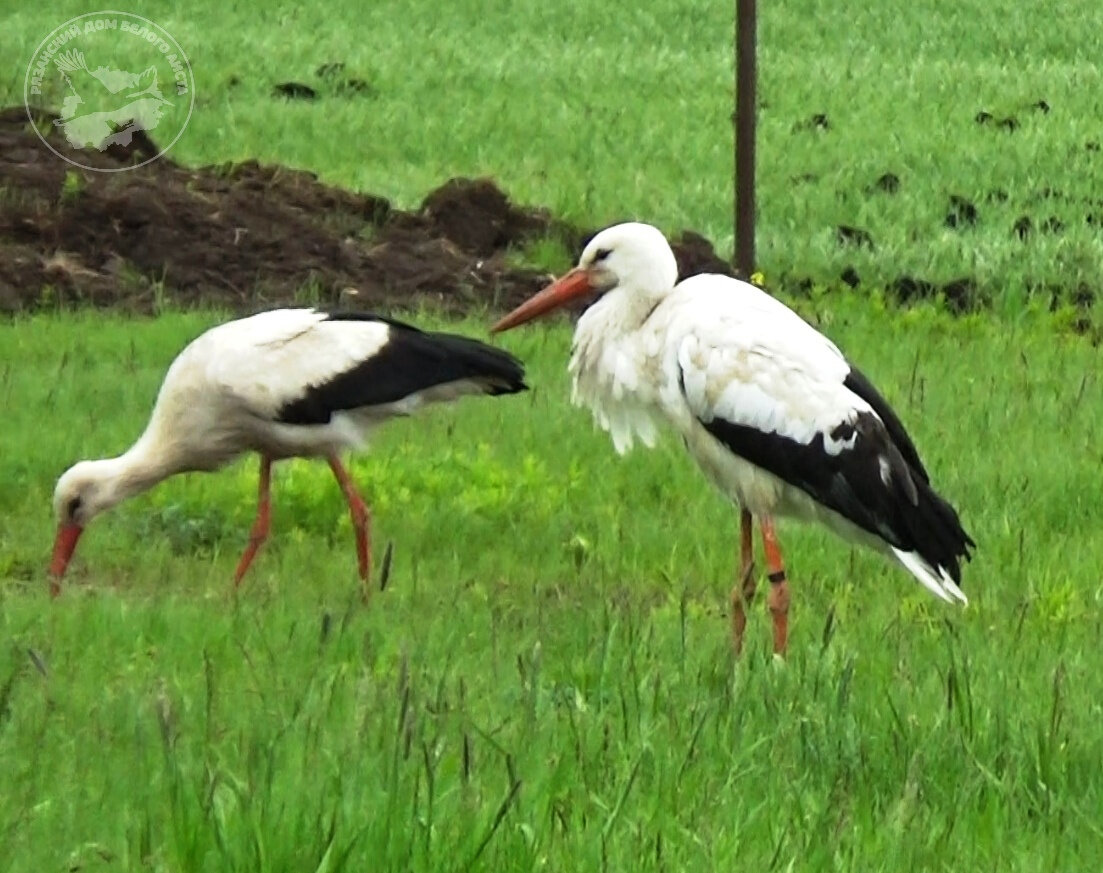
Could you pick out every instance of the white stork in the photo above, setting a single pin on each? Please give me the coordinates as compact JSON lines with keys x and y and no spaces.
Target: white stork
{"x":769,"y":408}
{"x":284,"y":383}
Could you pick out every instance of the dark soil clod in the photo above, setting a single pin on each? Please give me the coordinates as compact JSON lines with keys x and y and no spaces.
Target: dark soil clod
{"x":854,"y":236}
{"x":695,"y":254}
{"x":819,"y":121}
{"x":1041,"y":106}
{"x":294,"y":91}
{"x":1083,"y":296}
{"x":889,"y":183}
{"x":1010,"y":124}
{"x":907,"y":289}
{"x":355,"y":86}
{"x":962,"y":212}
{"x":983,"y":117}
{"x":140,"y":148}
{"x":961,"y":296}
{"x":1023,"y":227}
{"x":850,"y":277}
{"x":477,"y":216}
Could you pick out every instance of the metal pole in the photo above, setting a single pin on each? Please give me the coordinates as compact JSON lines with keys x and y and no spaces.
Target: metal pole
{"x":744,"y":120}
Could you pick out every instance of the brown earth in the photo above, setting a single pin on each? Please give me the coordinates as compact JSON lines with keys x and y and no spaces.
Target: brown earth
{"x":246,"y":235}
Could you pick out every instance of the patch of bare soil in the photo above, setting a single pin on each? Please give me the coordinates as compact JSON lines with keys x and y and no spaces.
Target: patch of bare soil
{"x":245,"y":236}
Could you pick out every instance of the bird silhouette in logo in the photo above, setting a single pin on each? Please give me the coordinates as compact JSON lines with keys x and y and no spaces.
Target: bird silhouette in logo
{"x":119,"y":104}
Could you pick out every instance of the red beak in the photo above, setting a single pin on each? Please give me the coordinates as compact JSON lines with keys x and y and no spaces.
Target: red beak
{"x":571,"y":286}
{"x":64,"y":546}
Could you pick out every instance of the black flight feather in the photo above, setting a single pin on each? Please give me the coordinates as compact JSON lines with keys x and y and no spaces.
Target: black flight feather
{"x":411,"y":360}
{"x":860,"y":385}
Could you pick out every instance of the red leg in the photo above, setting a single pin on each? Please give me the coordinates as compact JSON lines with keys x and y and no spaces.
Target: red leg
{"x":259,"y":532}
{"x":743,"y":590}
{"x":778,"y":599}
{"x":361,"y":520}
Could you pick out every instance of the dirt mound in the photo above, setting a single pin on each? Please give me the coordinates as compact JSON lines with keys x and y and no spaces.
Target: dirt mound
{"x":248,"y":235}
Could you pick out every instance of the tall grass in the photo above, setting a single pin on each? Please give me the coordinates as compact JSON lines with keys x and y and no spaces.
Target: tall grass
{"x":546,"y":682}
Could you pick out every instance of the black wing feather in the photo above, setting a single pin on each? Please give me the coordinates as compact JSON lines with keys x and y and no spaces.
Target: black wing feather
{"x":410,"y":361}
{"x":857,"y":382}
{"x":904,"y":511}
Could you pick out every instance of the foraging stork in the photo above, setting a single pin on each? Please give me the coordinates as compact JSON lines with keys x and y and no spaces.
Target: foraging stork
{"x":284,"y":383}
{"x":769,"y":408}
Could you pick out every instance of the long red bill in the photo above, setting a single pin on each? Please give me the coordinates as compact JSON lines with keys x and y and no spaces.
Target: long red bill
{"x":568,"y":287}
{"x":64,"y":546}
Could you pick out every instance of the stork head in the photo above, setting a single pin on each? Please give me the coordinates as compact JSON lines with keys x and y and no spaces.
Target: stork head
{"x":634,"y":258}
{"x":84,"y":491}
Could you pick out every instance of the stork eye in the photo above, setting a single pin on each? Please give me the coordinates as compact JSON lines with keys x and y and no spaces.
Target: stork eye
{"x":601,"y":255}
{"x":73,"y":507}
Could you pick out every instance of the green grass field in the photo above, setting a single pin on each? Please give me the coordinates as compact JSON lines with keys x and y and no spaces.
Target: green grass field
{"x":547,"y":682}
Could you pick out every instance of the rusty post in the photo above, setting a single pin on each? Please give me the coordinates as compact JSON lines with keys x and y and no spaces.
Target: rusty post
{"x":744,"y":121}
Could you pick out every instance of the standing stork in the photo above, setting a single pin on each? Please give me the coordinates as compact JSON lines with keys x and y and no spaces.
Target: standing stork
{"x":285,"y":383}
{"x":769,"y":408}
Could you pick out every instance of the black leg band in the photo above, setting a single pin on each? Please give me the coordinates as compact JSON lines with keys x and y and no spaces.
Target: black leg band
{"x":777,"y":577}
